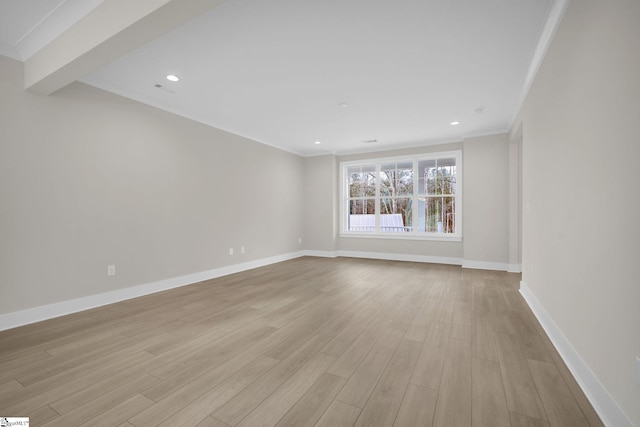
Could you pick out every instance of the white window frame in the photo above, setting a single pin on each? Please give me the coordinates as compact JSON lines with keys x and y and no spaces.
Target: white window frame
{"x":414,"y":234}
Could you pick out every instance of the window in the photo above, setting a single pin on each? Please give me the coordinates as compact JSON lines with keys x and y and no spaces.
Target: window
{"x":416,"y":197}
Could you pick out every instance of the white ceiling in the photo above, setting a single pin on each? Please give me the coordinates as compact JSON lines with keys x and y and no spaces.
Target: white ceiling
{"x":277,"y":71}
{"x":28,"y":25}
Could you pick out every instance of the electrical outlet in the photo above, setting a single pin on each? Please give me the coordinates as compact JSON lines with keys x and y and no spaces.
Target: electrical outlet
{"x":241,"y":249}
{"x":637,"y":370}
{"x":111,"y":270}
{"x":230,"y":251}
{"x":299,"y":240}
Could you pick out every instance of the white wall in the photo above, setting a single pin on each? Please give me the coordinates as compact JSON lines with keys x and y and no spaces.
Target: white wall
{"x":88,"y":179}
{"x":321,"y":206}
{"x":486,"y":199}
{"x":581,"y":228}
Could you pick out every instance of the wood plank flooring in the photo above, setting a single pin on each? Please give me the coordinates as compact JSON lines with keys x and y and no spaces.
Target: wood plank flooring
{"x":307,"y":342}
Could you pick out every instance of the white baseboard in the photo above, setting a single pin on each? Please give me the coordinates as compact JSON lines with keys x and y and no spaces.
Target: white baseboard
{"x":514,"y":268}
{"x":401,"y":257}
{"x":37,"y":314}
{"x":322,"y":254}
{"x":485,"y":265}
{"x":597,"y":394}
{"x":499,"y":266}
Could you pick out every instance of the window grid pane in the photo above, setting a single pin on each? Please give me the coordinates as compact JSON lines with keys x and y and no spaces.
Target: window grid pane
{"x":440,"y":215}
{"x":396,"y":215}
{"x":396,"y":179}
{"x":362,"y":215}
{"x":362,"y":181}
{"x":439,"y":177}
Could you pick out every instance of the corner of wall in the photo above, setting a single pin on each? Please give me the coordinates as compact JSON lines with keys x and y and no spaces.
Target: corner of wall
{"x":596,"y":393}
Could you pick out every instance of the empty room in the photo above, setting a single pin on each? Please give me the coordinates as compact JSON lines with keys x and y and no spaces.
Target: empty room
{"x":319,"y":213}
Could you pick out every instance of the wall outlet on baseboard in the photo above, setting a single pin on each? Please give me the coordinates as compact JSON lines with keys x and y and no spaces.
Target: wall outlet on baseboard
{"x":230,"y":251}
{"x":299,"y":240}
{"x":111,"y":270}
{"x":638,"y":370}
{"x":241,"y":249}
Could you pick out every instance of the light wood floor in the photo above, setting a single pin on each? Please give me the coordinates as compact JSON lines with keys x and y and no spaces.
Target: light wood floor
{"x":312,"y":341}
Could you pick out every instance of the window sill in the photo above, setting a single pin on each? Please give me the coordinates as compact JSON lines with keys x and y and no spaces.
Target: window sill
{"x":402,"y":236}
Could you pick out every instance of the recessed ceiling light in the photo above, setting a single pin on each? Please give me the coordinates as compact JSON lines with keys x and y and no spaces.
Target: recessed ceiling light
{"x":317,"y":142}
{"x":454,"y":123}
{"x":172,"y":78}
{"x":343,"y":105}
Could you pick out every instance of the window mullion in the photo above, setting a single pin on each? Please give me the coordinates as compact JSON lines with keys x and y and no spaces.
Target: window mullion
{"x":414,"y":198}
{"x":377,"y":218}
{"x":346,"y":200}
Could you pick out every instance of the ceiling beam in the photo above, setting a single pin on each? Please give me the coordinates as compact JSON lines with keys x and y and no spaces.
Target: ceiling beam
{"x":113,"y":29}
